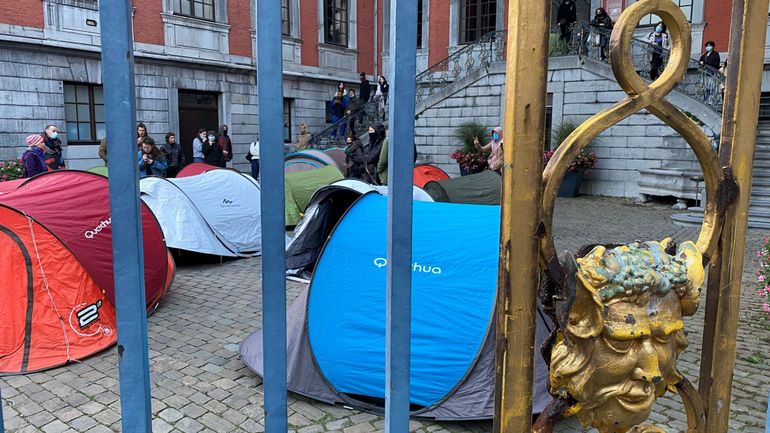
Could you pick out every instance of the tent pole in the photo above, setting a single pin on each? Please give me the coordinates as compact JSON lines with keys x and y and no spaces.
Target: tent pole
{"x":128,"y":255}
{"x":270,"y":90}
{"x":524,"y":132}
{"x":403,"y":49}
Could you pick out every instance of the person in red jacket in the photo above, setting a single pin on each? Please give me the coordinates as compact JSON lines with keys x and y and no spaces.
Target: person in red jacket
{"x":225,"y":143}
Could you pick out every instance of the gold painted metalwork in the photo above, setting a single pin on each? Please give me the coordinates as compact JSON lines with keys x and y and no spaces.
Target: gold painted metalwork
{"x":525,"y":102}
{"x":640,"y":96}
{"x":624,"y":333}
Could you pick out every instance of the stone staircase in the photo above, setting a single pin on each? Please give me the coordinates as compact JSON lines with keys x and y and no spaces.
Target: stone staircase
{"x":759,"y":210}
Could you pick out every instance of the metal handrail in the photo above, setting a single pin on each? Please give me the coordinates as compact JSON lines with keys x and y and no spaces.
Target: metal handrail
{"x":701,"y":83}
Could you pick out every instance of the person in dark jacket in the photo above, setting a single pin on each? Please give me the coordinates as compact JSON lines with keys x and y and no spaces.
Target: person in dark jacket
{"x":365,"y":89}
{"x":603,"y":21}
{"x":172,"y":152}
{"x":34,"y":157}
{"x":565,"y":16}
{"x":711,"y":56}
{"x":53,"y":151}
{"x":362,"y":160}
{"x":338,"y":106}
{"x":661,"y":43}
{"x":214,"y":154}
{"x":225,"y":143}
{"x":141,"y":133}
{"x":354,"y":104}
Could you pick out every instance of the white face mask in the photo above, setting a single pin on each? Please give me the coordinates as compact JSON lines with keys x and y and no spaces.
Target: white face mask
{"x":709,"y":48}
{"x":211,"y":138}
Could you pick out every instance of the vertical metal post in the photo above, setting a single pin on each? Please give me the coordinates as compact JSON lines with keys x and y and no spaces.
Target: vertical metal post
{"x":402,"y":66}
{"x":524,"y":133}
{"x":270,"y":88}
{"x":2,"y":424}
{"x":767,"y":417}
{"x":739,"y":125}
{"x":128,"y":255}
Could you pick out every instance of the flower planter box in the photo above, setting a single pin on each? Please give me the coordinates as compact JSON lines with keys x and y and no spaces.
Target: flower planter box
{"x":570,"y":186}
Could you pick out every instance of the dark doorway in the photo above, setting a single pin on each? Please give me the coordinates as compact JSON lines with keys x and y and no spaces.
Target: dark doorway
{"x":196,"y":110}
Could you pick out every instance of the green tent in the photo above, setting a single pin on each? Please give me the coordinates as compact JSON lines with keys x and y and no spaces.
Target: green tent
{"x":480,"y":188}
{"x":300,"y":186}
{"x":99,"y":169}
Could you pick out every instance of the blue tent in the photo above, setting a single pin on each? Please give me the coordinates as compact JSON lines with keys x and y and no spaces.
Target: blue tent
{"x":337,"y":328}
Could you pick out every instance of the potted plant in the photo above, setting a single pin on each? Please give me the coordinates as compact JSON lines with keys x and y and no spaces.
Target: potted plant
{"x":11,"y":170}
{"x":570,"y":185}
{"x":468,"y":157}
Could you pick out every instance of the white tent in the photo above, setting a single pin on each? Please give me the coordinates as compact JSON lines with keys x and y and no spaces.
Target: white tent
{"x":216,"y":212}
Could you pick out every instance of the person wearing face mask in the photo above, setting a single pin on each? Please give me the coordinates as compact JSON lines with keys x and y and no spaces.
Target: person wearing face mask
{"x":602,"y":21}
{"x":711,"y":56}
{"x":363,"y":159}
{"x":354,"y":171}
{"x":495,"y":147}
{"x":661,"y":43}
{"x":53,"y":151}
{"x":381,"y":95}
{"x":214,"y":154}
{"x":197,"y":146}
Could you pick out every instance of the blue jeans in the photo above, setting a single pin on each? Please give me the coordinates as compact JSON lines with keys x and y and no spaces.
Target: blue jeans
{"x":198,"y":159}
{"x":340,"y":129}
{"x":255,"y":168}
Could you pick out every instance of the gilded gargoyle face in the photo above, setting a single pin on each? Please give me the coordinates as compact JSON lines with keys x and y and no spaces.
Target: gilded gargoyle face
{"x":620,"y":348}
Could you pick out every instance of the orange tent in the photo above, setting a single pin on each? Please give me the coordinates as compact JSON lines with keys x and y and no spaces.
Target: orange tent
{"x":53,"y":311}
{"x":427,"y":173}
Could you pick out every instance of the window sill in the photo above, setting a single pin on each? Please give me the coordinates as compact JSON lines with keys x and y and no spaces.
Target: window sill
{"x":194,"y":22}
{"x":337,"y":48}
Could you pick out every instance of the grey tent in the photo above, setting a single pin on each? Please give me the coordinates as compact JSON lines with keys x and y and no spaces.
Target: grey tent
{"x":480,"y":188}
{"x":336,"y":328}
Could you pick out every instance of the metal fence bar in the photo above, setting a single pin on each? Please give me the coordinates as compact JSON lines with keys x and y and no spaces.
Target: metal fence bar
{"x":400,"y":165}
{"x":128,"y":255}
{"x":270,"y":88}
{"x":2,"y":424}
{"x":767,"y":417}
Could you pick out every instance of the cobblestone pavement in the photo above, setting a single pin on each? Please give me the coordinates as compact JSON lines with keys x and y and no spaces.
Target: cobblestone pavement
{"x":200,"y":385}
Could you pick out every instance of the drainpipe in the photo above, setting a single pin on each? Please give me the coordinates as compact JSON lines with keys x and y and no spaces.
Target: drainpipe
{"x":376,"y":53}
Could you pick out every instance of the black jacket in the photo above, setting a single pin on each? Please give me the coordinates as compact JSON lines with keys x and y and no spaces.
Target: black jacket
{"x":213,"y":154}
{"x":53,"y":155}
{"x":602,"y":21}
{"x":711,"y":59}
{"x":567,"y":12}
{"x":362,"y":160}
{"x":364,"y":91}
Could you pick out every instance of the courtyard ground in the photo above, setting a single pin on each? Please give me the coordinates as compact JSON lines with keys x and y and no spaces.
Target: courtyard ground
{"x":199,"y":384}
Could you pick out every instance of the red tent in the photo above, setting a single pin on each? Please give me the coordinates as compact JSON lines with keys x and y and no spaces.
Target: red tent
{"x":426,"y":173}
{"x":195,"y":168}
{"x":64,"y":217}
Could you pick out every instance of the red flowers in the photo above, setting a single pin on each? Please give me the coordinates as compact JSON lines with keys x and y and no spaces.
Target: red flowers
{"x":471,"y":162}
{"x":584,"y":161}
{"x":11,"y":170}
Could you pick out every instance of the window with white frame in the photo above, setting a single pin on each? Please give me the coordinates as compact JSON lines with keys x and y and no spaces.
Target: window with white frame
{"x":336,"y":22}
{"x":203,"y":9}
{"x":477,"y":18}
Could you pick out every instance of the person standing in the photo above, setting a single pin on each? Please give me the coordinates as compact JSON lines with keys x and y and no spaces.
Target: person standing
{"x":103,"y":149}
{"x":141,"y":133}
{"x":225,"y":143}
{"x":495,"y":147}
{"x":34,"y":157}
{"x":214,"y":154}
{"x":53,"y":152}
{"x":197,"y":146}
{"x":565,"y":16}
{"x":253,"y":158}
{"x":150,"y":160}
{"x":602,"y":21}
{"x":381,"y":95}
{"x":363,"y":159}
{"x":711,"y":57}
{"x":354,"y":104}
{"x":338,"y":112}
{"x":364,"y":89}
{"x":172,"y":153}
{"x":660,"y":41}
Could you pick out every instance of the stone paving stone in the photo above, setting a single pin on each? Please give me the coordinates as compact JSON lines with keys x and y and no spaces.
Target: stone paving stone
{"x":199,"y":384}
